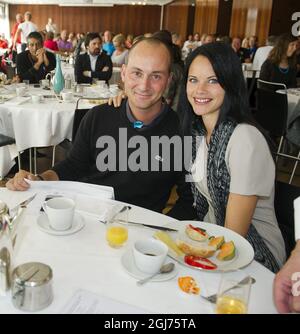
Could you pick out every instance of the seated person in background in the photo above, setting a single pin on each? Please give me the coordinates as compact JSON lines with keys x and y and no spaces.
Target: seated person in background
{"x":63,"y":44}
{"x":108,"y":46}
{"x":280,"y":66}
{"x":233,"y":171}
{"x":143,"y":117}
{"x":242,"y":53}
{"x":118,"y":58}
{"x":49,"y":43}
{"x":252,"y":46}
{"x":3,"y":42}
{"x":94,"y":63}
{"x":35,"y":63}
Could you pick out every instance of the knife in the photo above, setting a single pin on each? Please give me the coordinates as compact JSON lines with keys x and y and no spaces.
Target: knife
{"x":24,"y":203}
{"x":162,"y":228}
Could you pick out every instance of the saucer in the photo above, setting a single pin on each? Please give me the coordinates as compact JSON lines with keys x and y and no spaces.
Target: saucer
{"x":129,"y":266}
{"x":44,"y":226}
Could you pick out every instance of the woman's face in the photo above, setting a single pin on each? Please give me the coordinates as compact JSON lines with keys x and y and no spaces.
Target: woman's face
{"x":291,"y":49}
{"x":204,"y":92}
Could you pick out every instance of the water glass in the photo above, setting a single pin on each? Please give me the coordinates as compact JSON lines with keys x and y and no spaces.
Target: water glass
{"x":116,"y":229}
{"x":232,"y":297}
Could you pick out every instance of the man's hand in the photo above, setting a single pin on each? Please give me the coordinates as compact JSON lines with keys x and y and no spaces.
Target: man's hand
{"x":105,"y":69}
{"x":284,"y":299}
{"x":40,"y":55}
{"x":17,"y":183}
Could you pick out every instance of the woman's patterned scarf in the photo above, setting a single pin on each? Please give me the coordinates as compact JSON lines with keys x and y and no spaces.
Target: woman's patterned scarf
{"x":218,"y":183}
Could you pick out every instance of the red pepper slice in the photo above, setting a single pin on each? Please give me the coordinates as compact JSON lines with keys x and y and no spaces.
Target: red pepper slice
{"x":198,"y":229}
{"x":200,"y":262}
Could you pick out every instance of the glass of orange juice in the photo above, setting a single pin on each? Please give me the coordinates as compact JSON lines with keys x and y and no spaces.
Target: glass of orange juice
{"x":232,"y":297}
{"x":117,"y":230}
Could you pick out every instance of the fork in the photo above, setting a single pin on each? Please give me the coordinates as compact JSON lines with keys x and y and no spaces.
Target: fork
{"x":121,"y":210}
{"x":213,"y":298}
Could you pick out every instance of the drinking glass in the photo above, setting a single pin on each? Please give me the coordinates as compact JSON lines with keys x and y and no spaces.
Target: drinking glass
{"x":116,"y":229}
{"x":232,"y":297}
{"x":26,"y":82}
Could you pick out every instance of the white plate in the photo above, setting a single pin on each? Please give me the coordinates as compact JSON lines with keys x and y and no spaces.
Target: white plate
{"x":129,"y":266}
{"x":244,"y":253}
{"x":44,"y":226}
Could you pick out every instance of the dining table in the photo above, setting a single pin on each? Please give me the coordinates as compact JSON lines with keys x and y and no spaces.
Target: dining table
{"x":91,"y":277}
{"x":45,"y":123}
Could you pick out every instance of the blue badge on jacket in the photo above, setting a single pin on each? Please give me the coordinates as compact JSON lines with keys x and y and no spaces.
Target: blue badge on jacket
{"x":138,"y":124}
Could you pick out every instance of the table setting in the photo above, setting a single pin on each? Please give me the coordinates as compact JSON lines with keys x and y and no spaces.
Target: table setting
{"x":101,"y":262}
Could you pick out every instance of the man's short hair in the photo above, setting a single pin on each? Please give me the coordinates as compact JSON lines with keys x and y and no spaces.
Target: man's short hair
{"x":152,"y":41}
{"x":35,"y":35}
{"x":90,"y":36}
{"x":28,"y":14}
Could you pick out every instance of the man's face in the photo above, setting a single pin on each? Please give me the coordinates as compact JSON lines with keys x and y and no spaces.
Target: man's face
{"x":33,"y":45}
{"x":236,"y":43}
{"x":107,"y":36}
{"x":146,"y":76}
{"x":94,"y":46}
{"x":63,"y":35}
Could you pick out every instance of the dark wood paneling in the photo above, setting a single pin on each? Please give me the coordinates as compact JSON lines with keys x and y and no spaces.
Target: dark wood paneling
{"x":126,"y":19}
{"x":206,"y":16}
{"x":282,"y":12}
{"x":224,"y":17}
{"x":251,"y":17}
{"x":177,"y":17}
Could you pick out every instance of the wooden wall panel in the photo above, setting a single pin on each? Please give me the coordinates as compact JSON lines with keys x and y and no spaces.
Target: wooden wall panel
{"x":224,"y":17}
{"x":127,"y":19}
{"x":206,"y":16}
{"x":177,"y":17}
{"x":251,"y":17}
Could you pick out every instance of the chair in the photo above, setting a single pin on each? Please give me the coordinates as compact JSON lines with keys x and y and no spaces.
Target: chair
{"x":272,"y":111}
{"x":285,"y":194}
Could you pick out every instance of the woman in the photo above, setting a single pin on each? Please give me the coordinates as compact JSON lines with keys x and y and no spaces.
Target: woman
{"x":35,"y":63}
{"x":232,"y":167}
{"x":281,"y":64}
{"x":119,"y":55}
{"x":49,"y":43}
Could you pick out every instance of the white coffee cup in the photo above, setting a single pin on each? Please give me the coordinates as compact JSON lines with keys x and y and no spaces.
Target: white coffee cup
{"x":36,"y":98}
{"x":21,"y":91}
{"x":149,"y":255}
{"x":44,"y":83}
{"x":60,"y":213}
{"x":67,"y":96}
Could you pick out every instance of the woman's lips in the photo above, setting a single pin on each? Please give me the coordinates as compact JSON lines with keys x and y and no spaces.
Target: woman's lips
{"x":202,"y":100}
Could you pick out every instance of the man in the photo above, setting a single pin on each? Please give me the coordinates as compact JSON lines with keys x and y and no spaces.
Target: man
{"x":63,"y":44}
{"x":50,"y":26}
{"x":19,"y":20}
{"x":242,"y":53}
{"x":24,"y":28}
{"x":35,"y":63}
{"x":94,"y":63}
{"x":108,"y":46}
{"x":143,"y":118}
{"x":262,"y":53}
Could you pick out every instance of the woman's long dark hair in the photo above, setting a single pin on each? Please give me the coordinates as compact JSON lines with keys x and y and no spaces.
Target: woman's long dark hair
{"x":228,"y":70}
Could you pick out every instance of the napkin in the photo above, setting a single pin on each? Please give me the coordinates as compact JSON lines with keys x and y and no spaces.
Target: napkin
{"x":297,"y":218}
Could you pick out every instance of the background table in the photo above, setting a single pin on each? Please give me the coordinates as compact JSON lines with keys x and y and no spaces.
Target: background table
{"x":85,"y":261}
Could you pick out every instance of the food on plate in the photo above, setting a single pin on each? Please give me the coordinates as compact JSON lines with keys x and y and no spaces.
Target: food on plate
{"x":227,"y":251}
{"x":188,"y":285}
{"x":196,"y":233}
{"x":216,"y":242}
{"x":165,"y":238}
{"x":200,"y":262}
{"x":190,"y":247}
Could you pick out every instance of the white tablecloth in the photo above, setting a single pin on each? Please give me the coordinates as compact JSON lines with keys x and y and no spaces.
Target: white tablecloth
{"x":34,"y":125}
{"x":85,"y":261}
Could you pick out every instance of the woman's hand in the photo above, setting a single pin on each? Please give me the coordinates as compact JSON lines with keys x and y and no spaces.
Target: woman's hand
{"x":117,"y":100}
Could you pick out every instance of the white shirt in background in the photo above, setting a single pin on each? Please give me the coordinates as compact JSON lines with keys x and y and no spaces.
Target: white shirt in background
{"x":26,"y":27}
{"x":51,"y":27}
{"x":260,"y":57}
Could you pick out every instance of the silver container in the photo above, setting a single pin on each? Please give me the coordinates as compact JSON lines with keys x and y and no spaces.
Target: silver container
{"x":32,"y":286}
